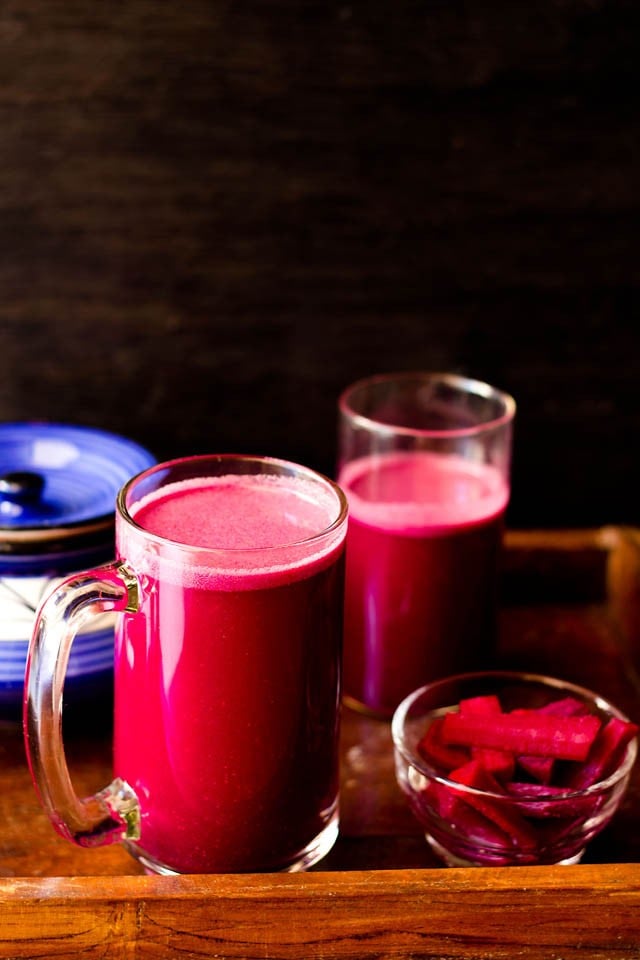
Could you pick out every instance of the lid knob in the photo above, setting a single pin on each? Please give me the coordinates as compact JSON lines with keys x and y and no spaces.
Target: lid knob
{"x":21,"y":486}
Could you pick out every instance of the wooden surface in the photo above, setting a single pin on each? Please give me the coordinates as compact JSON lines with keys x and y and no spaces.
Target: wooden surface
{"x":588,"y":913}
{"x":214,"y":216}
{"x":568,"y":607}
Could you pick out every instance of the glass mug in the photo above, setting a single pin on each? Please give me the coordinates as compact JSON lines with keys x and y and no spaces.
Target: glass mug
{"x":228,"y":580}
{"x":424,"y":459}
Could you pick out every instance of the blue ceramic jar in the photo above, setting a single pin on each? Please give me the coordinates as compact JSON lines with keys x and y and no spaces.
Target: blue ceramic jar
{"x":58,"y":488}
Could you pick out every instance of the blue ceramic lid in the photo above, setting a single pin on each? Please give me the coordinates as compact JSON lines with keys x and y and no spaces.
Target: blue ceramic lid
{"x":61,"y":476}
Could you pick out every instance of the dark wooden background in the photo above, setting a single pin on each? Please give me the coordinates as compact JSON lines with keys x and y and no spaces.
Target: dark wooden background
{"x":214,"y":215}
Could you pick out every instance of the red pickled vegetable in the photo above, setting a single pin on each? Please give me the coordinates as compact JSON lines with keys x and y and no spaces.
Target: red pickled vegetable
{"x":484,"y":705}
{"x":607,"y":749}
{"x":536,"y":734}
{"x":449,"y":805}
{"x":565,"y":707}
{"x":502,"y":813}
{"x":439,"y":754}
{"x":500,"y":763}
{"x":540,"y":768}
{"x":534,"y":791}
{"x":479,"y":828}
{"x":542,"y":800}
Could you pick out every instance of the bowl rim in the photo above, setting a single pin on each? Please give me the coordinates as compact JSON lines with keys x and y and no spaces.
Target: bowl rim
{"x":422,"y":766}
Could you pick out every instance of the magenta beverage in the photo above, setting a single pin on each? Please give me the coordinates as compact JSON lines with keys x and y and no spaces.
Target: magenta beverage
{"x":425,"y":532}
{"x":227,"y":679}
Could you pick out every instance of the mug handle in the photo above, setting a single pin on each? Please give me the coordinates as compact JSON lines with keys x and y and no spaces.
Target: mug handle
{"x":112,"y":814}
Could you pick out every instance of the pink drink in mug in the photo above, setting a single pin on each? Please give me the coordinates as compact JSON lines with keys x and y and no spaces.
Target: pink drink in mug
{"x":424,"y":464}
{"x":227,"y":670}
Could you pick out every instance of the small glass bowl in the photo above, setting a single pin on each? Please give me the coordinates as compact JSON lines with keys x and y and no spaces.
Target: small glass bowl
{"x":467,"y":826}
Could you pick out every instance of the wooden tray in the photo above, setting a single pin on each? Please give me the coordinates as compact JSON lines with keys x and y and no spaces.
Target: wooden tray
{"x":571,"y":607}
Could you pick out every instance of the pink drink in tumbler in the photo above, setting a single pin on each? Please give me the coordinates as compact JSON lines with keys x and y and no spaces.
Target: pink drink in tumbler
{"x":424,"y":537}
{"x":227,"y":679}
{"x":424,"y":459}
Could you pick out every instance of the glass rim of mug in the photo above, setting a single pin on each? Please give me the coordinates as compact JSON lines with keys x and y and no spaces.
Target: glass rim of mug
{"x":467,"y":385}
{"x":287,"y":467}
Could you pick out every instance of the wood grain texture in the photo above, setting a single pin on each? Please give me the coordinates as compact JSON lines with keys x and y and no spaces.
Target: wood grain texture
{"x":469,"y":914}
{"x":214,"y":216}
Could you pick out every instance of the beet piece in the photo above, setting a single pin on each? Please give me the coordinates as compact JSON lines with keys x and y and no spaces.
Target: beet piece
{"x":540,"y":768}
{"x":463,"y":819}
{"x":499,"y":811}
{"x":565,"y":707}
{"x":483,"y":705}
{"x":540,"y":801}
{"x":534,"y":791}
{"x":605,"y":753}
{"x":500,"y":763}
{"x":535,"y":733}
{"x":437,"y":753}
